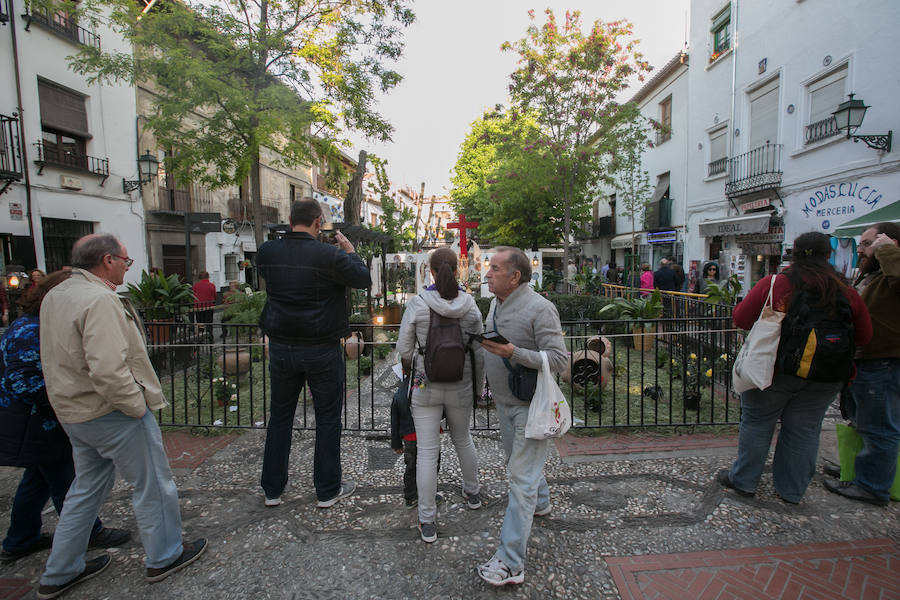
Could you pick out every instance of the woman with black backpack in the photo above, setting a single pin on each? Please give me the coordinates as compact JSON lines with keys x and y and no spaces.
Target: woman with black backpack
{"x":447,"y":372}
{"x":825,"y":320}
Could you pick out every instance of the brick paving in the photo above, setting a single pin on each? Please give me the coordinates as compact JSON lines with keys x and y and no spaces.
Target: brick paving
{"x":186,"y":451}
{"x":857,"y":569}
{"x":572,"y":445}
{"x":13,"y":588}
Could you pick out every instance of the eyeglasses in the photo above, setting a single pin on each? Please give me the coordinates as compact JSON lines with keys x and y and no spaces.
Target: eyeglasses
{"x":128,"y":261}
{"x":866,"y":243}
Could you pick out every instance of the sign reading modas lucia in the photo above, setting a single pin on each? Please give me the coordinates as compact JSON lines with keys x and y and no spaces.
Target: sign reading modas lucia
{"x":826,"y":207}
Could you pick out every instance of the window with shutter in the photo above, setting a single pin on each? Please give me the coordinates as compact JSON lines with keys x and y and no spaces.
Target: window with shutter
{"x":64,"y":127}
{"x":764,"y":115}
{"x":824,"y":96}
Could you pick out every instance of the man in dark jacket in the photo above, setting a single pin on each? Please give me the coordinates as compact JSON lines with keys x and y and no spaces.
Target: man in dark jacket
{"x":665,"y":278}
{"x":875,"y":392}
{"x":305,"y":317}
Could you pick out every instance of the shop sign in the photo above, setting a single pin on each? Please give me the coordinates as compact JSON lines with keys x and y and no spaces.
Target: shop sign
{"x":775,"y":234}
{"x":827,"y":201}
{"x":658,"y":237}
{"x":759,"y":203}
{"x":15,"y":211}
{"x":764,"y":249}
{"x":736,"y":226}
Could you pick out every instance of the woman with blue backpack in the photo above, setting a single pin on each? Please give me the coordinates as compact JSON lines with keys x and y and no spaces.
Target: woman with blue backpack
{"x":825,"y":319}
{"x":446,"y":376}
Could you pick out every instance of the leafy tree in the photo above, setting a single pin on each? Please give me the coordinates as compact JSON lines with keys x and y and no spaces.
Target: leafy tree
{"x":502,"y":180}
{"x":632,"y":181}
{"x":571,"y":79}
{"x":397,"y":223}
{"x":234,"y":76}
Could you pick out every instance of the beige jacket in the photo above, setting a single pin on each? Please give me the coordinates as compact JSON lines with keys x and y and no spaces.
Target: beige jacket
{"x":94,"y":353}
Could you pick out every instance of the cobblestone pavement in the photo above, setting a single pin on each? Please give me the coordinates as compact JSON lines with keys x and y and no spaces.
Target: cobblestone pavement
{"x":637,"y":523}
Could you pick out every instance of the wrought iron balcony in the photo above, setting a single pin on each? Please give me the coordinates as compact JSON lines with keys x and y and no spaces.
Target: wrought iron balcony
{"x":821,"y":130}
{"x":50,"y":154}
{"x":759,"y":169}
{"x":11,"y":168}
{"x":241,"y":209}
{"x":62,"y":25}
{"x":717,"y":167}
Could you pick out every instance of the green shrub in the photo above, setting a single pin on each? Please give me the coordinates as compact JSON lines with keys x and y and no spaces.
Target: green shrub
{"x":577,"y":308}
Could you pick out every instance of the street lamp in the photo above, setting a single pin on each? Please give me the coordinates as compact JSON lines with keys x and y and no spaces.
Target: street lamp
{"x":849,"y":116}
{"x":148,"y":167}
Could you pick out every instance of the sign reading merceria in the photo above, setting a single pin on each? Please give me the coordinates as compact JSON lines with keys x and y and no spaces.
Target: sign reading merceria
{"x":818,"y":204}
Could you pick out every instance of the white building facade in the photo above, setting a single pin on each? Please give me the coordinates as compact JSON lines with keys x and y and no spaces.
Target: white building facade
{"x":766,"y":162}
{"x":65,"y":147}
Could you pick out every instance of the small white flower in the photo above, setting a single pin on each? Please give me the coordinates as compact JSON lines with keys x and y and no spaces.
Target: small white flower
{"x":234,"y":396}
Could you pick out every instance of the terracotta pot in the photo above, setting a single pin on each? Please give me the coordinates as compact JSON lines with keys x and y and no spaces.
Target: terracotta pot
{"x":353,"y":345}
{"x":234,"y":363}
{"x":643,"y":337}
{"x":589,"y":366}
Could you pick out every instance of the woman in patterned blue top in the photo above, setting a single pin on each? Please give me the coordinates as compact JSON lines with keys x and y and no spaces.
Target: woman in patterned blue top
{"x":31,"y":437}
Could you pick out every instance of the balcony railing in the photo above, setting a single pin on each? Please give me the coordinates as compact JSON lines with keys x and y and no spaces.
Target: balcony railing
{"x":718,"y":166}
{"x":239,"y":208}
{"x":11,"y":168}
{"x":759,"y":169}
{"x":51,"y":155}
{"x":821,"y":130}
{"x":64,"y":26}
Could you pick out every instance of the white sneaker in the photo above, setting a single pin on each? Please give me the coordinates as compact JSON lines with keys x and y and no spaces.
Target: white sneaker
{"x":270,"y":502}
{"x":543,"y":512}
{"x":495,"y":572}
{"x":347,"y":488}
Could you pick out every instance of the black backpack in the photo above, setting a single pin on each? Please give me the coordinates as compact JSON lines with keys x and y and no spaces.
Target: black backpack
{"x":445,"y":350}
{"x":817,"y":339}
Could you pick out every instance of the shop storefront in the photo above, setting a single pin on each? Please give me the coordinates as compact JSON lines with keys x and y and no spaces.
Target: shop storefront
{"x":750,"y":245}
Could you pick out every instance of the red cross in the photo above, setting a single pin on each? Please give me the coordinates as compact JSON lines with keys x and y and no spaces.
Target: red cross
{"x":462,"y":225}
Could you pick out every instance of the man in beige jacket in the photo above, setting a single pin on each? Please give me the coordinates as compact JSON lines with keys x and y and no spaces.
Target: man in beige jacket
{"x":103,"y":388}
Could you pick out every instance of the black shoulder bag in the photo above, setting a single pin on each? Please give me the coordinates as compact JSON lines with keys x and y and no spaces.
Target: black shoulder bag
{"x":522,"y":380}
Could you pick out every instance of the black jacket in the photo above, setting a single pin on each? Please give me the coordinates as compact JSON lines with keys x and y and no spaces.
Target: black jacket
{"x":665,"y":278}
{"x":306,"y":286}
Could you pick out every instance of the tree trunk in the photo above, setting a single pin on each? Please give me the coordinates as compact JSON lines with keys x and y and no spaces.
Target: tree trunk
{"x":353,"y":200}
{"x":567,"y":227}
{"x":416,"y":244}
{"x":259,"y":226}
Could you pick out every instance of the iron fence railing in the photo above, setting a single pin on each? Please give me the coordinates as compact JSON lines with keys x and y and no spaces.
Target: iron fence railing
{"x":758,"y":169}
{"x":50,"y":154}
{"x":717,"y":167}
{"x":65,"y":26}
{"x":659,"y":372}
{"x":821,"y":130}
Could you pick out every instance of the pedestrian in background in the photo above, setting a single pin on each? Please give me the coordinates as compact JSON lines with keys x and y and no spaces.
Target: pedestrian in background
{"x":430,"y":399}
{"x":798,"y":403}
{"x":531,"y":324}
{"x":103,"y":388}
{"x":875,"y":393}
{"x":31,"y":436}
{"x":305,"y":318}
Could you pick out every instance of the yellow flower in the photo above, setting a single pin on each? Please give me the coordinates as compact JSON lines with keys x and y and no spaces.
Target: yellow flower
{"x":635,"y":389}
{"x":673,"y":361}
{"x":693,"y":356}
{"x":724,"y":357}
{"x":709,"y":372}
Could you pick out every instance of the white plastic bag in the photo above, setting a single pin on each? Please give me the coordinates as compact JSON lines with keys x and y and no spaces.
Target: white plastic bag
{"x":549,"y":414}
{"x":754,"y":366}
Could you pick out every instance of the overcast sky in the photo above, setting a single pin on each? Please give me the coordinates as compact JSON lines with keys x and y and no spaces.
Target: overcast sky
{"x":453,"y":70}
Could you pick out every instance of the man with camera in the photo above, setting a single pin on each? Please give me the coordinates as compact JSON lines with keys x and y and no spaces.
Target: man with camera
{"x":528,"y":323}
{"x":305,"y":318}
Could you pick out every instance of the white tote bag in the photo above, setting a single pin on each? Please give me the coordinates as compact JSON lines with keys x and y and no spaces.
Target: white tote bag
{"x":549,"y":415}
{"x":754,"y":366}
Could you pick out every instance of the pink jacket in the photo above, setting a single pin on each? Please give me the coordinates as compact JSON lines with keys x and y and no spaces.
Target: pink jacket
{"x":646,"y":282}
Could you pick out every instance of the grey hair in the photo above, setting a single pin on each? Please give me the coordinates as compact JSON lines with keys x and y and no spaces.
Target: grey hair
{"x":518,"y":261}
{"x":88,"y":252}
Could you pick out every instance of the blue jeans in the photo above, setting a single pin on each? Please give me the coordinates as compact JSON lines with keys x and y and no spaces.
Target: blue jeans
{"x":528,"y":489}
{"x":800,"y":405}
{"x":101,"y":447}
{"x":38,"y":484}
{"x":290,"y":368}
{"x":875,"y":407}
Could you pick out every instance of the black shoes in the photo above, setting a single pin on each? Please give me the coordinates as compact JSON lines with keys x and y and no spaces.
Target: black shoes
{"x":93,"y":567}
{"x":108,"y":537}
{"x":848,"y":489}
{"x":724,"y":479}
{"x":44,"y":542}
{"x":831,"y":470}
{"x":190,"y":553}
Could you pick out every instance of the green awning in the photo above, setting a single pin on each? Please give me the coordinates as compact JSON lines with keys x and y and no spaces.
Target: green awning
{"x":854,"y":227}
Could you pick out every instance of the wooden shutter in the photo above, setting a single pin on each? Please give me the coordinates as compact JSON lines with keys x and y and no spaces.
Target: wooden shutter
{"x":62,"y":110}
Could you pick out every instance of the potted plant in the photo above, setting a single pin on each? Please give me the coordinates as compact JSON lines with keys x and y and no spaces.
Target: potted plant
{"x":161,"y":299}
{"x":725,"y":293}
{"x":637,"y":310}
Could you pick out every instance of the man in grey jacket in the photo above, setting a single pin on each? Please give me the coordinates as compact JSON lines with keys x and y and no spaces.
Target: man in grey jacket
{"x":530,"y":323}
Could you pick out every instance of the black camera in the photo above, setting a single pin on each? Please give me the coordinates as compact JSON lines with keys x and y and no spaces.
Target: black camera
{"x":329,"y":236}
